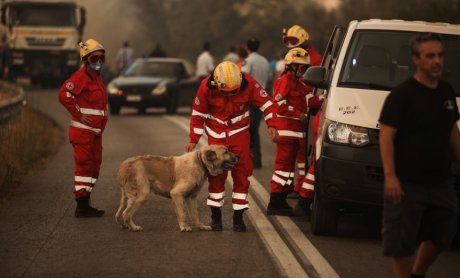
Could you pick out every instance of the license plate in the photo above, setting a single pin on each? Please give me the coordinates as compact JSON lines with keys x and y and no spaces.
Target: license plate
{"x":133,"y":98}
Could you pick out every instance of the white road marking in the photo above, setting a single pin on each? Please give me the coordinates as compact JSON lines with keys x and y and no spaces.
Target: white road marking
{"x":285,"y":258}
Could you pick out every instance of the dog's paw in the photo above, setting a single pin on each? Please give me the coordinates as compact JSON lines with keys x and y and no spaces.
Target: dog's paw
{"x":205,"y":228}
{"x":186,"y":229}
{"x":135,"y":228}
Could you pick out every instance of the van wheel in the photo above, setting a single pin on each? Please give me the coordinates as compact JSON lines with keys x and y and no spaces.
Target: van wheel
{"x":324,"y":218}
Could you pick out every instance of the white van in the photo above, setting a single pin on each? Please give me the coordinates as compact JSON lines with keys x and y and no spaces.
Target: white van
{"x":360,"y":67}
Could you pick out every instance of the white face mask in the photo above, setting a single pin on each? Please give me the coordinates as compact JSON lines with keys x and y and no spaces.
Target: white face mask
{"x":97,"y":66}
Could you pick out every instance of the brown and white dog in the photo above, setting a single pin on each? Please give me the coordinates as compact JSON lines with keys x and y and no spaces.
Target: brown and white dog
{"x":177,"y":177}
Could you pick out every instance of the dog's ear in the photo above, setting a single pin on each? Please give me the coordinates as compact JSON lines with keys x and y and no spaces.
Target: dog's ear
{"x":210,"y":155}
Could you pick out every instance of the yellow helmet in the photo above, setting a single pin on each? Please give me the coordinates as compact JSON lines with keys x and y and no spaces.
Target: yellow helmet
{"x":88,"y":47}
{"x":297,"y":56}
{"x":295,"y":36}
{"x":227,"y":76}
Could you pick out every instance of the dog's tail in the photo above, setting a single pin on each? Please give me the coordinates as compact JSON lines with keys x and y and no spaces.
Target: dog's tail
{"x":122,"y":175}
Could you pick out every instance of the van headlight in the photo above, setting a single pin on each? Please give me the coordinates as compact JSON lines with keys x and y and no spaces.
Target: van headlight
{"x":341,"y":133}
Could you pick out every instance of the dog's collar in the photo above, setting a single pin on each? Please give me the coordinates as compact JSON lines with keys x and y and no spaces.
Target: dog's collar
{"x":206,"y":171}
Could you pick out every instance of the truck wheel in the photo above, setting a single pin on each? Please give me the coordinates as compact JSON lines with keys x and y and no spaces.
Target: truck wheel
{"x":114,"y":110}
{"x":324,"y":218}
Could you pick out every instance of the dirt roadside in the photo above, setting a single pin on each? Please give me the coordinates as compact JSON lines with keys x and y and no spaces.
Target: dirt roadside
{"x":26,"y":141}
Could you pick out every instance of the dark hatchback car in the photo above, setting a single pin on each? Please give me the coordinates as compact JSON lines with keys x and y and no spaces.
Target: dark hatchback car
{"x":154,"y":82}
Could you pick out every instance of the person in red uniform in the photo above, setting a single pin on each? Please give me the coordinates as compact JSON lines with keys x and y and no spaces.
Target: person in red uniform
{"x":84,"y":96}
{"x":297,"y":36}
{"x":293,"y":101}
{"x":308,"y":184}
{"x":221,"y":110}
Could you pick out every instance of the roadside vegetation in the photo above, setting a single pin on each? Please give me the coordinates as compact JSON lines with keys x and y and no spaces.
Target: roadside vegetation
{"x":24,"y":144}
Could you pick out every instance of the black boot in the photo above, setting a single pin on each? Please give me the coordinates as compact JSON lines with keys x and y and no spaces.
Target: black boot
{"x":303,"y":208}
{"x":238,"y":222}
{"x":216,"y":219}
{"x":85,"y":210}
{"x":278,"y":205}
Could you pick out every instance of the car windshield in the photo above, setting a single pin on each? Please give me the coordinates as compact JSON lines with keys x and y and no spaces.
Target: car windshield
{"x":154,"y":68}
{"x":382,"y":59}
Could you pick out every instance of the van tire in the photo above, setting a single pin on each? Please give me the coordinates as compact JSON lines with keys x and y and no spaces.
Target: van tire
{"x":324,"y":218}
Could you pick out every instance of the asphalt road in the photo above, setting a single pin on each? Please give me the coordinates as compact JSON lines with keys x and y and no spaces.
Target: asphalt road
{"x":39,"y":237}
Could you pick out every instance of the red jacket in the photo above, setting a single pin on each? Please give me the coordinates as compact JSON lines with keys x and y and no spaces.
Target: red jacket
{"x":85,"y":93}
{"x":222,"y":116}
{"x":293,"y":98}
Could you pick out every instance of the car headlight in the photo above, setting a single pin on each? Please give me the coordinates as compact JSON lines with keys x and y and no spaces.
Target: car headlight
{"x":114,"y":90}
{"x":341,"y":133}
{"x":159,"y":90}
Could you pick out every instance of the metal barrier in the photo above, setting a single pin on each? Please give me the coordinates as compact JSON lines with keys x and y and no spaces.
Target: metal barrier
{"x":11,"y":107}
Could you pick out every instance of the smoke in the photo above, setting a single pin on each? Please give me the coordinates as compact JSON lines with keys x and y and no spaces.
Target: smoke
{"x":115,"y":21}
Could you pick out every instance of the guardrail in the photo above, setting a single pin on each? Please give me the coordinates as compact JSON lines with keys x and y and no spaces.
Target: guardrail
{"x":11,"y":107}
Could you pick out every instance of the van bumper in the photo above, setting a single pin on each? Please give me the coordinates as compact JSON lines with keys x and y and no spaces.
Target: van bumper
{"x":348,"y":176}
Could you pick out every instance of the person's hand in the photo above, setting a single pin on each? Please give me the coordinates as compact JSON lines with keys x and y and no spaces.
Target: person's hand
{"x":393,"y":189}
{"x":189,"y":147}
{"x":273,"y":134}
{"x":86,"y":119}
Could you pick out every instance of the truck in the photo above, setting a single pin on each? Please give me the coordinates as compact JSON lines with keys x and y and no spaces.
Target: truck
{"x":362,"y":63}
{"x":39,"y":39}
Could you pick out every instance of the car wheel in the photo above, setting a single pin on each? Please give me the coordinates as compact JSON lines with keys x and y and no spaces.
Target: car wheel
{"x":114,"y":110}
{"x":324,"y":217}
{"x":171,"y":107}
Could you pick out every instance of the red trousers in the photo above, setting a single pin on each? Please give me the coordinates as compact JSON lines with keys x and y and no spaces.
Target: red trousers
{"x":239,"y":145}
{"x":289,"y":150}
{"x":87,"y":153}
{"x":308,"y":184}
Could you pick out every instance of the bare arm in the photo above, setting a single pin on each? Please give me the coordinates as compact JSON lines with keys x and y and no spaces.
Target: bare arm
{"x":455,"y":140}
{"x":393,"y":189}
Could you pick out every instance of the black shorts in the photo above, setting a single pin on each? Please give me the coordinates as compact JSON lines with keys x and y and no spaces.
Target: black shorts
{"x":426,"y":212}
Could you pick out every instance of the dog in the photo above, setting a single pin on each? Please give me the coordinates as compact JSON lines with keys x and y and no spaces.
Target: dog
{"x":177,"y":177}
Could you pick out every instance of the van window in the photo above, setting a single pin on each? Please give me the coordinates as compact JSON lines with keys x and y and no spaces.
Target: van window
{"x":380,"y":60}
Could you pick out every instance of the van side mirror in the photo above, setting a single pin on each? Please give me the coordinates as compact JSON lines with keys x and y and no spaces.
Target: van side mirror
{"x":314,"y":76}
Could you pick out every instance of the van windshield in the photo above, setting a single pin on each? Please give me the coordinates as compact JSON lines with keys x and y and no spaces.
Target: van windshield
{"x":380,"y":60}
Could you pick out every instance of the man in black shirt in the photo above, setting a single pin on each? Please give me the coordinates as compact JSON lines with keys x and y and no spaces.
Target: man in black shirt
{"x":418,"y":135}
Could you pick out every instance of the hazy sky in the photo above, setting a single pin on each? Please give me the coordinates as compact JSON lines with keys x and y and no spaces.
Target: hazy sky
{"x":112,"y":22}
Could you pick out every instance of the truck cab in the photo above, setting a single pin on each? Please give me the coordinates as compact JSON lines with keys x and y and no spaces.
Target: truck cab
{"x":361,"y":65}
{"x":39,"y":39}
